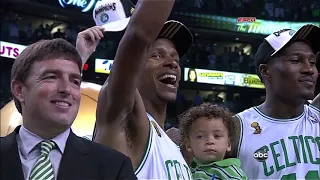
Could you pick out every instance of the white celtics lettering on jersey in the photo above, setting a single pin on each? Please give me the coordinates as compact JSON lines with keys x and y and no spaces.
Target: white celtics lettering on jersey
{"x":162,"y":159}
{"x":293,"y":145}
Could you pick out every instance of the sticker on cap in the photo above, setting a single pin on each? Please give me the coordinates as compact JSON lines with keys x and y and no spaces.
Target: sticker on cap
{"x":291,"y":33}
{"x":104,"y":17}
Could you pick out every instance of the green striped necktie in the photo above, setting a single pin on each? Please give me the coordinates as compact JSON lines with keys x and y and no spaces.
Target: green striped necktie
{"x":42,"y":169}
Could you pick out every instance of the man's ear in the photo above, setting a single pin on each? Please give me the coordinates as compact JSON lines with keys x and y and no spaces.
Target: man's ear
{"x":18,"y":90}
{"x":264,"y":72}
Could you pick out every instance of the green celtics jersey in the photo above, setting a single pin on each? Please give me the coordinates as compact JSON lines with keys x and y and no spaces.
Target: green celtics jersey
{"x":162,"y":159}
{"x":287,"y":148}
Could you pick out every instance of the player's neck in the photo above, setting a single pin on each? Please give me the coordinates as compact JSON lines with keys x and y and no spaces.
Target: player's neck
{"x":157,"y":111}
{"x":276,"y":107}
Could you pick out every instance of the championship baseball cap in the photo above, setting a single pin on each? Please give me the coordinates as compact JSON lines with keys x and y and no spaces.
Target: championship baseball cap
{"x":280,"y":39}
{"x":112,"y":15}
{"x":178,"y":34}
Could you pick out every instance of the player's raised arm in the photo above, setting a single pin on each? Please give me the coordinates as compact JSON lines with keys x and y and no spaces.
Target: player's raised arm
{"x":142,"y":30}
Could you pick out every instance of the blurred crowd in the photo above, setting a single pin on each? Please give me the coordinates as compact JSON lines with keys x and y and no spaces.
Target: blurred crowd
{"x":282,"y":10}
{"x":17,"y":28}
{"x":24,"y":30}
{"x":234,"y":59}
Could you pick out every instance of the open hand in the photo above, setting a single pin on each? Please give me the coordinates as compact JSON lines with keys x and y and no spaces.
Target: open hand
{"x":88,"y":40}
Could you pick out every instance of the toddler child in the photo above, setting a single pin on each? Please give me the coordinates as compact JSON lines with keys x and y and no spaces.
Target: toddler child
{"x":206,"y":132}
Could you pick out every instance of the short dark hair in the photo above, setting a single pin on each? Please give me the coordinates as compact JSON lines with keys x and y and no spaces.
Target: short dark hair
{"x":209,"y":111}
{"x":41,"y":51}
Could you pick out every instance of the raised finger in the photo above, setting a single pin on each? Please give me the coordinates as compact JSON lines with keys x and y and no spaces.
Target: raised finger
{"x":90,"y":35}
{"x":100,"y":31}
{"x":96,"y":34}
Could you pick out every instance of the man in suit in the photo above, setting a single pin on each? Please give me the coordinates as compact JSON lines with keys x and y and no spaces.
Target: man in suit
{"x":45,"y":83}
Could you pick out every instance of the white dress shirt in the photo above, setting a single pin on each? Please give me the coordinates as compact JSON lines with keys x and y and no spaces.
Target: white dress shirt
{"x":29,"y":150}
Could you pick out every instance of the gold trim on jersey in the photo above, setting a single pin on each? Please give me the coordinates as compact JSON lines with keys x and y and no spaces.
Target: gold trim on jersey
{"x":156,"y":128}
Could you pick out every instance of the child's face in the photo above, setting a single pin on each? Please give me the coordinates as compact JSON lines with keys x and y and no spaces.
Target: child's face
{"x":208,"y":140}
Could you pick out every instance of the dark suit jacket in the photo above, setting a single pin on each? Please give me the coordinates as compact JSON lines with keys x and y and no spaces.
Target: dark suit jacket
{"x":82,"y":160}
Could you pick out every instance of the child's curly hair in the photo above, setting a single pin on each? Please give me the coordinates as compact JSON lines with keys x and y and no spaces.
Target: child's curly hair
{"x":209,"y":111}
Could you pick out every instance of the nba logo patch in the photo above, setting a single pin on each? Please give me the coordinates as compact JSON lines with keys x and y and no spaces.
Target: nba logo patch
{"x":213,"y":176}
{"x":313,"y":119}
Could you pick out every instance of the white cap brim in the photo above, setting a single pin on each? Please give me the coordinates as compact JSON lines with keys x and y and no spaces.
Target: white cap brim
{"x":116,"y":25}
{"x":301,"y":34}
